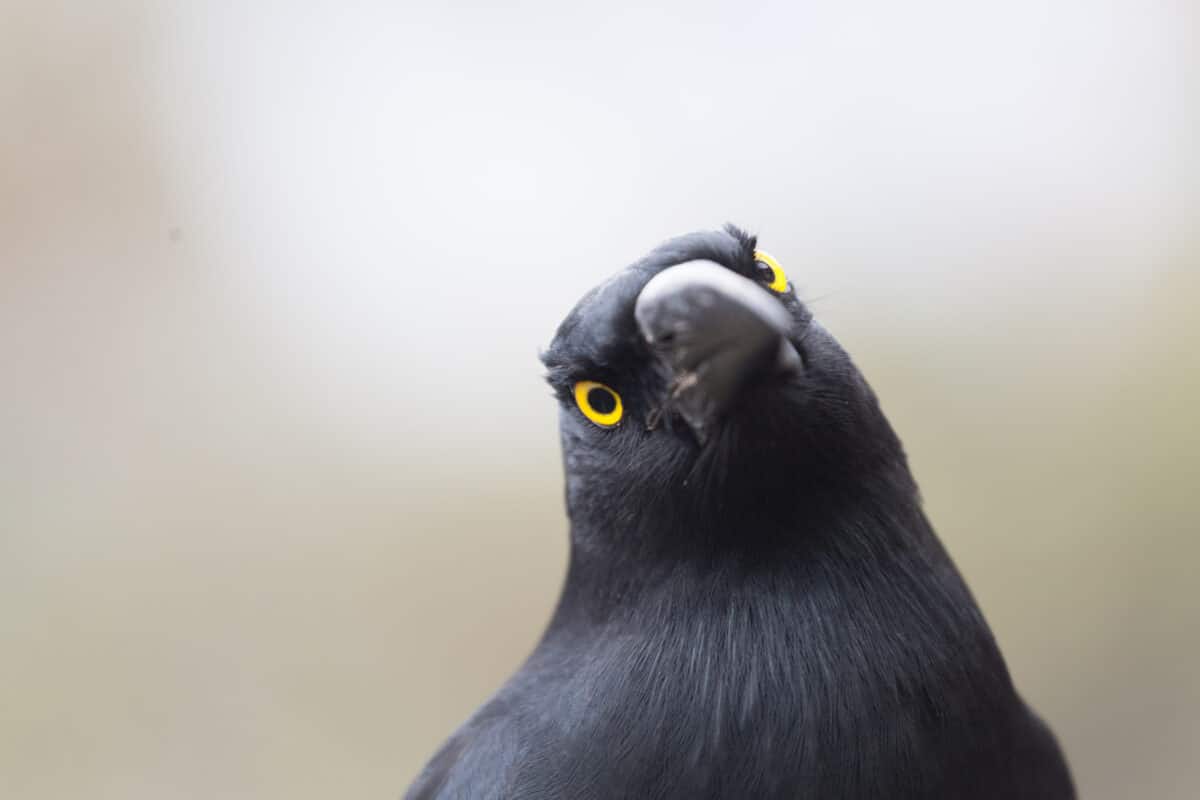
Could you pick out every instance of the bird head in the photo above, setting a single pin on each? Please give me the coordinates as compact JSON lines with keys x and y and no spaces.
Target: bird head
{"x":701,"y":403}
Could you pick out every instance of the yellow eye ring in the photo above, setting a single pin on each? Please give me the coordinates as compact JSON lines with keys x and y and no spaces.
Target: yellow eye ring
{"x":599,"y":403}
{"x":779,"y":281}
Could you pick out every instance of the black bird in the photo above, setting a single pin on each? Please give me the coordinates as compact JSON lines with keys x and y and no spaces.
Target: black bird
{"x":755,"y":604}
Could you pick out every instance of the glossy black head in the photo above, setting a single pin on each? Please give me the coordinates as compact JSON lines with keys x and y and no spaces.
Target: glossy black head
{"x":702,"y":406}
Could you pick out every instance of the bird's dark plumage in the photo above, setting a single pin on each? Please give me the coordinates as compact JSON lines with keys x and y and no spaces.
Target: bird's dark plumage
{"x":755,"y":604}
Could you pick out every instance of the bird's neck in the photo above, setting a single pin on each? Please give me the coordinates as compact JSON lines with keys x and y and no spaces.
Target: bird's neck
{"x":662,"y":556}
{"x":800,"y":616}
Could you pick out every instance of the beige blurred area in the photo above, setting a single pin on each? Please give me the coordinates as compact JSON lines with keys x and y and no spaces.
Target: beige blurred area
{"x":280,"y":496}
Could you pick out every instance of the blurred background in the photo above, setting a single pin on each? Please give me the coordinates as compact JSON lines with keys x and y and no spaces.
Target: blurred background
{"x":280,"y":495}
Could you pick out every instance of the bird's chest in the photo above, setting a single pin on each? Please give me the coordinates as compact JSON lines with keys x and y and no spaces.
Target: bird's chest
{"x":723,"y":711}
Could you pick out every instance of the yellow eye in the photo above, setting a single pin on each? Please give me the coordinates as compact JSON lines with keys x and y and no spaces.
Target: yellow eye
{"x":599,"y":403}
{"x":770,"y":266}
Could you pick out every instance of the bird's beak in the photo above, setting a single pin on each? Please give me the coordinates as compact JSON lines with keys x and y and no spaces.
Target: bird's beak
{"x":713,"y":330}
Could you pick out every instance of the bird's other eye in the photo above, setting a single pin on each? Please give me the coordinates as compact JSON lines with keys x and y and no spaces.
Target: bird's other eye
{"x":599,"y":403}
{"x":771,"y":272}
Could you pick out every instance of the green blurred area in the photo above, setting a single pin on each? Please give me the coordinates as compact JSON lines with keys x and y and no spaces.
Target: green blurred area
{"x":280,"y":499}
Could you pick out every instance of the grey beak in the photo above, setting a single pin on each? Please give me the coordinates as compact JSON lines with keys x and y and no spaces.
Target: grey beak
{"x":713,"y":330}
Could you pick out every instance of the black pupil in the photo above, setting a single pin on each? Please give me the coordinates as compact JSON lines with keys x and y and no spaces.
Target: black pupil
{"x":602,"y":401}
{"x":767,"y":270}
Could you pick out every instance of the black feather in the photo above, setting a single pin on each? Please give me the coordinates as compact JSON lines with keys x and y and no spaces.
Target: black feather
{"x":768,"y":615}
